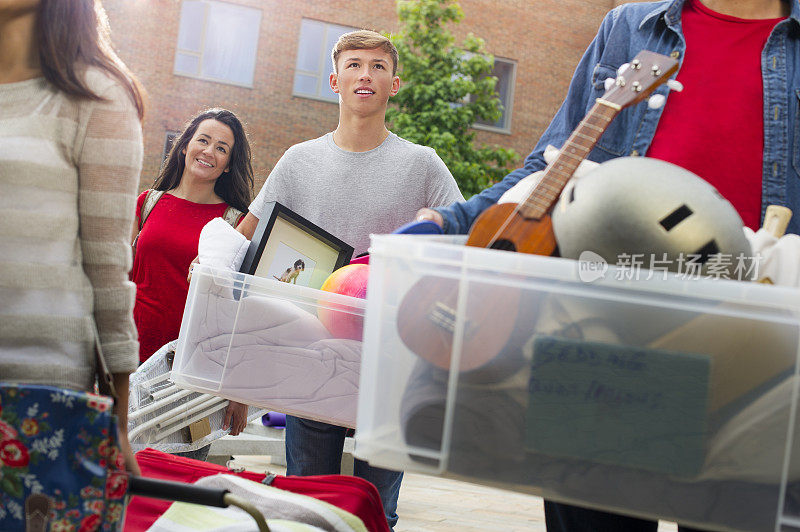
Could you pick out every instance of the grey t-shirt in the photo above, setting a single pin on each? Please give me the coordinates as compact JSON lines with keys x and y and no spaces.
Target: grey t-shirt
{"x":353,"y":194}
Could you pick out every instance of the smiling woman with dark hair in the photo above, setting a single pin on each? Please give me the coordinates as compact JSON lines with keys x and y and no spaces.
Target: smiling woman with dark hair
{"x":235,"y":183}
{"x":207,"y":174}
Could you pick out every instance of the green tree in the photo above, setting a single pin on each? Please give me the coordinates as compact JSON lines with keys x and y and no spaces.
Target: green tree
{"x":445,"y":88}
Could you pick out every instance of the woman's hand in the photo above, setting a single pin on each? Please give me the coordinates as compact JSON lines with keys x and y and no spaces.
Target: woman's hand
{"x":121,"y":411}
{"x":131,"y":465}
{"x":235,"y":417}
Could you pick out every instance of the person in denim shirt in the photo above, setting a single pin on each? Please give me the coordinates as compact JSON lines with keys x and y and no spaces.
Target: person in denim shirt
{"x":679,"y":28}
{"x":656,"y":26}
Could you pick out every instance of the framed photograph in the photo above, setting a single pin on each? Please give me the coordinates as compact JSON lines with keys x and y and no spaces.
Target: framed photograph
{"x":288,"y":248}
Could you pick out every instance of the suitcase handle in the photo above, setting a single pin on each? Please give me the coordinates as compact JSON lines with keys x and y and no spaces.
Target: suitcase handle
{"x":177,"y":491}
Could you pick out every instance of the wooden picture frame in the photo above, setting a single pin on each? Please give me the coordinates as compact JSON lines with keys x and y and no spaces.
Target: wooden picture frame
{"x":287,"y":247}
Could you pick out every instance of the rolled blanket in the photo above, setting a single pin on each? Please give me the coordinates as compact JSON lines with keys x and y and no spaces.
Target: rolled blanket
{"x":221,"y":246}
{"x":285,"y":511}
{"x":488,"y":425}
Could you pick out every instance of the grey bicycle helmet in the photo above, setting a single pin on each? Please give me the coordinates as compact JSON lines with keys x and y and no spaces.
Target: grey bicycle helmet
{"x":641,"y":206}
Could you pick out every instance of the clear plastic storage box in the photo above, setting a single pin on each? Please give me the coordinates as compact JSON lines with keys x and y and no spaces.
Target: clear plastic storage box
{"x":631,"y":391}
{"x":270,"y":344}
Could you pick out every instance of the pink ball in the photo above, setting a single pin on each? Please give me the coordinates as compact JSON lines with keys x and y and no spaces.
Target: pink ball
{"x":350,"y":280}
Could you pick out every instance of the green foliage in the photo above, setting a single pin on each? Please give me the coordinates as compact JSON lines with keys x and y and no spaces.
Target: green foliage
{"x":445,"y":88}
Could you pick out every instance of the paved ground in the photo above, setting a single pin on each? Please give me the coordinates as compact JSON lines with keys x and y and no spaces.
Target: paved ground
{"x":432,"y":504}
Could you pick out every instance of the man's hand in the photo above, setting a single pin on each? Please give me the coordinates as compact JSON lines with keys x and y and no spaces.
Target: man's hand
{"x":430,"y":215}
{"x":235,"y":417}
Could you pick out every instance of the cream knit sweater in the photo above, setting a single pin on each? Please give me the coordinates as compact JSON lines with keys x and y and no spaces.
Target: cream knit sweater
{"x":69,"y":171}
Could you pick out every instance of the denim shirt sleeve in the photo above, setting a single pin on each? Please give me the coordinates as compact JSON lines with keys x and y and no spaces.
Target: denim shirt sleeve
{"x":458,"y":217}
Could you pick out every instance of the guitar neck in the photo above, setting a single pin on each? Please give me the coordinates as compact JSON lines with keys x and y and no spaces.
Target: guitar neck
{"x":576,"y":149}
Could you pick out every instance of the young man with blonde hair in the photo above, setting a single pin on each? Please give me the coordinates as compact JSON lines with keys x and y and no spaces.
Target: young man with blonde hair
{"x":358,"y":179}
{"x":364,"y":40}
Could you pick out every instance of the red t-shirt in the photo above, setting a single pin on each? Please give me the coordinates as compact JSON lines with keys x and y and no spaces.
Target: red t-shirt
{"x":715,"y":127}
{"x":166,"y":247}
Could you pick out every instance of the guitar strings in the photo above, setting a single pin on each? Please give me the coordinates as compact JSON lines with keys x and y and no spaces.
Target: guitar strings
{"x":605,"y":112}
{"x":593,"y":112}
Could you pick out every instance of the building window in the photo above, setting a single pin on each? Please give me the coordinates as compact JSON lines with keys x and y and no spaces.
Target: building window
{"x":505,"y":71}
{"x":169,"y":140}
{"x":217,"y":41}
{"x":313,"y":68}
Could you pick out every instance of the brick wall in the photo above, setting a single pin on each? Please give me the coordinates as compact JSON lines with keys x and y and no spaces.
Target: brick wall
{"x":545,"y":37}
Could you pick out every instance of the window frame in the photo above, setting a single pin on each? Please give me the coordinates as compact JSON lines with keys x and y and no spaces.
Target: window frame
{"x":199,"y":55}
{"x":168,"y":143}
{"x":325,"y":55}
{"x":507,"y":109}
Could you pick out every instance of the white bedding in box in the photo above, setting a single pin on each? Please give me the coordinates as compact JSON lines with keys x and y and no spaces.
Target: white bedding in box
{"x":275,"y":355}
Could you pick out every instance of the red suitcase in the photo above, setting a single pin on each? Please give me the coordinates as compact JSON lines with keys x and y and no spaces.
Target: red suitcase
{"x":351,"y":494}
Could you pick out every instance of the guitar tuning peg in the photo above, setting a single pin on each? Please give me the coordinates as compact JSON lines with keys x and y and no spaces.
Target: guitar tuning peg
{"x":609,"y":82}
{"x":675,"y":85}
{"x":623,"y":67}
{"x":656,"y":101}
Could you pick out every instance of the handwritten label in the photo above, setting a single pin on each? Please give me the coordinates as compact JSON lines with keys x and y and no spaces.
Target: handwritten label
{"x":620,"y":405}
{"x":596,"y":391}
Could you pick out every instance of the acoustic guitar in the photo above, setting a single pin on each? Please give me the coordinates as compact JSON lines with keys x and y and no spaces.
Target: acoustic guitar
{"x":427,"y":316}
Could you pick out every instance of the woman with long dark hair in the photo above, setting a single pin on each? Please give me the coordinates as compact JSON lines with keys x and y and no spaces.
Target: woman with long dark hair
{"x":207,"y":174}
{"x":70,"y":158}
